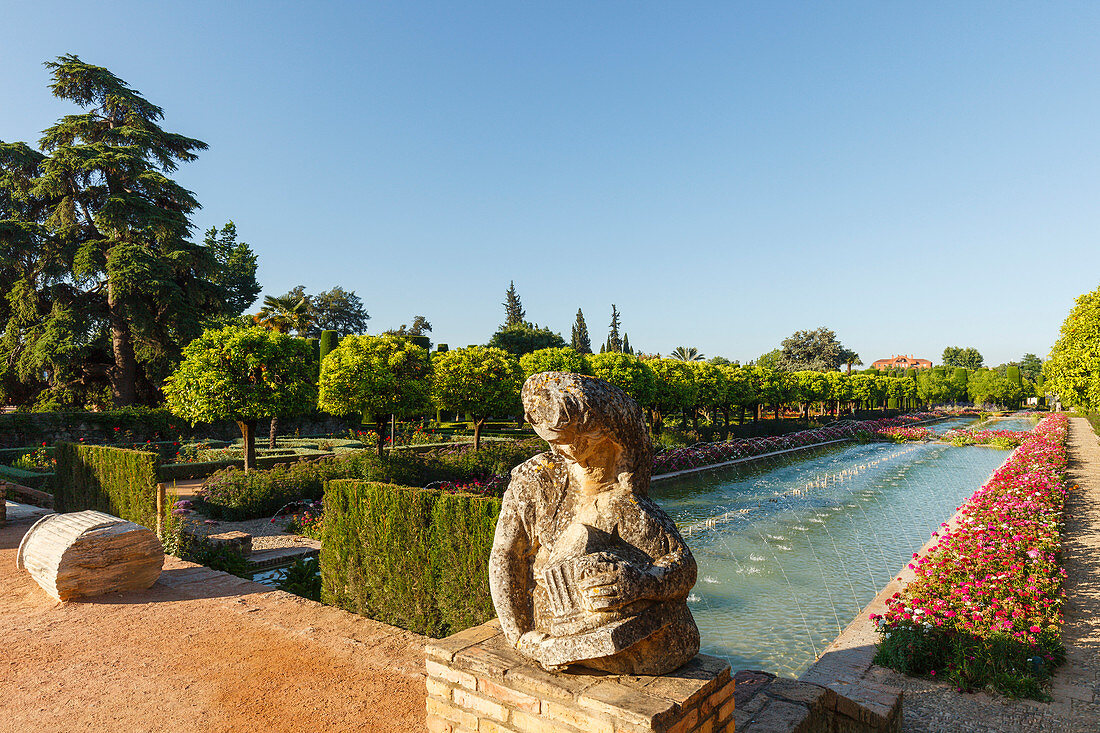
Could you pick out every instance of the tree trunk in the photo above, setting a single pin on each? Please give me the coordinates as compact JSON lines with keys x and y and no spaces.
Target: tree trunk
{"x":477,"y":433}
{"x":381,"y":425}
{"x":248,"y":432}
{"x":274,"y":431}
{"x":124,"y":373}
{"x":776,"y":410}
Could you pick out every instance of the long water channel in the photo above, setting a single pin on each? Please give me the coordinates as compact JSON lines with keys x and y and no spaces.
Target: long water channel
{"x":791,"y":548}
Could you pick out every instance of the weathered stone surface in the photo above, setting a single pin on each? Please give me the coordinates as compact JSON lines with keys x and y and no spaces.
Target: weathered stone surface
{"x":89,"y":553}
{"x":585,"y":568}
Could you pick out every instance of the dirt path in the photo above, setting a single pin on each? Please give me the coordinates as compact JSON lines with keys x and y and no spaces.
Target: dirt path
{"x":199,"y":651}
{"x":937,"y":708}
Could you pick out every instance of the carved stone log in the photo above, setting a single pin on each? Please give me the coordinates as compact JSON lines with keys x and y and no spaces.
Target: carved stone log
{"x":89,"y":553}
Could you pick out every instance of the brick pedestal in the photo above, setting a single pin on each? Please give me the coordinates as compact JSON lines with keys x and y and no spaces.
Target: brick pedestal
{"x":478,"y":684}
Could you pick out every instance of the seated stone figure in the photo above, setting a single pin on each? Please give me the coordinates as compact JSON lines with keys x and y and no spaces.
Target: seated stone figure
{"x":585,"y":568}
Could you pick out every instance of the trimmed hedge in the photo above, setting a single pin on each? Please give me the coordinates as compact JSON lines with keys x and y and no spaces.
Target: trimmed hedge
{"x":117,"y":481}
{"x":30,"y":479}
{"x":236,"y":496}
{"x":414,"y":558}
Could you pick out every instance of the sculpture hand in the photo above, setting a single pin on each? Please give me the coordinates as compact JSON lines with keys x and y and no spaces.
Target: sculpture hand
{"x":611,"y":589}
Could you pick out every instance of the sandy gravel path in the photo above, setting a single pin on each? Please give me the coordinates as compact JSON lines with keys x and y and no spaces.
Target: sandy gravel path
{"x":199,"y":651}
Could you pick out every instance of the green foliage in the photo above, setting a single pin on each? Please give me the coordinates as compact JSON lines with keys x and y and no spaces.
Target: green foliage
{"x":234,"y":495}
{"x":816,"y":350}
{"x":675,"y":387}
{"x":236,"y":270}
{"x":513,"y":308}
{"x":481,"y":381}
{"x":614,"y":343}
{"x":627,"y":372}
{"x":242,"y":374}
{"x":1071,"y":370}
{"x":581,"y":342}
{"x":985,"y":386}
{"x":375,"y":375}
{"x":341,"y":311}
{"x":413,"y":558}
{"x":303,"y":578}
{"x":553,"y":360}
{"x":117,"y":481}
{"x":968,"y":358}
{"x":971,"y":662}
{"x":523,"y":338}
{"x":712,"y":384}
{"x":327,"y":341}
{"x":116,"y":272}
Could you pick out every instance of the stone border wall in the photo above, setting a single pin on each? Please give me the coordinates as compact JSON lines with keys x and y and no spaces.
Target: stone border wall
{"x":478,"y":683}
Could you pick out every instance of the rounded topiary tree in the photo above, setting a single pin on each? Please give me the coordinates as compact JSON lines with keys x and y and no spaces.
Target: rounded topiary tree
{"x":562,"y":359}
{"x":242,"y":374}
{"x":627,"y":372}
{"x":377,"y":376}
{"x":479,"y":380}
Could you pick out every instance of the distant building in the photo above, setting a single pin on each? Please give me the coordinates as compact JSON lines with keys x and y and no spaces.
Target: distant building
{"x":902,"y":362}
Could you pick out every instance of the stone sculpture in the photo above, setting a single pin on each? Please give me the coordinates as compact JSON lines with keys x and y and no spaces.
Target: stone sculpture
{"x":585,"y":568}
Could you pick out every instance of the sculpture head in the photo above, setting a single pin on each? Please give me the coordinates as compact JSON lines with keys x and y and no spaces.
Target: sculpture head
{"x":591,"y":423}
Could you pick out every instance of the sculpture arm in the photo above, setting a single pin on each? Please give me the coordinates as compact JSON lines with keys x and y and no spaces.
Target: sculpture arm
{"x":674,"y":574}
{"x":510,"y":580}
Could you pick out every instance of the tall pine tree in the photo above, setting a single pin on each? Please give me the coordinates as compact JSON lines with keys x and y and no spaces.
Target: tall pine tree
{"x":104,"y":176}
{"x":513,"y":309}
{"x":614,"y":341}
{"x":581,"y":343}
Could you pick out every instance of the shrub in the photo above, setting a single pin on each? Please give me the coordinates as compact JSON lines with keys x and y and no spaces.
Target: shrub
{"x":117,"y":481}
{"x":236,"y":496}
{"x":413,"y":558}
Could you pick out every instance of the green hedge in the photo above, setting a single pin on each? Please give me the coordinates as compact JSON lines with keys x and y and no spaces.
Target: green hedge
{"x":117,"y":481}
{"x":236,"y":496}
{"x":30,"y":479}
{"x":413,"y":558}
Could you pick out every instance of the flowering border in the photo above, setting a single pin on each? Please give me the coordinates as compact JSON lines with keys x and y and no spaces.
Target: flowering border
{"x":709,"y":454}
{"x":985,"y":606}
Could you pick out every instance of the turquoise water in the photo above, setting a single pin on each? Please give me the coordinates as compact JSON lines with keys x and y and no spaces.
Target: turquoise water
{"x":1011,"y":423}
{"x":790,"y":549}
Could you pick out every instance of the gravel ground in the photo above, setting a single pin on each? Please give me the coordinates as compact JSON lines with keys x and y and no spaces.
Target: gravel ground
{"x":266,"y":535}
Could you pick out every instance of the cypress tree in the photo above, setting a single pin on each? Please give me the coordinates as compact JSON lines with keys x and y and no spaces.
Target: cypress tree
{"x":581,"y":342}
{"x":626,"y":345}
{"x":513,"y":309}
{"x":614,"y":341}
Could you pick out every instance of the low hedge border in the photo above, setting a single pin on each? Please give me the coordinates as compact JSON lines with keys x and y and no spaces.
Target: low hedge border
{"x":414,"y":558}
{"x":30,"y":479}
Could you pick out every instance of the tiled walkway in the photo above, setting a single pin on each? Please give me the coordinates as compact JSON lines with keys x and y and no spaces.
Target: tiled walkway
{"x":936,"y":708}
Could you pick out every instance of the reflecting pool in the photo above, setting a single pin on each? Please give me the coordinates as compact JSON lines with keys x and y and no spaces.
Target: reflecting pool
{"x":791,"y":548}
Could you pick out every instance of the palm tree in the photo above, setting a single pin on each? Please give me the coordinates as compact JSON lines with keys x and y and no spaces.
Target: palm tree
{"x":686,"y":353}
{"x":284,"y":313}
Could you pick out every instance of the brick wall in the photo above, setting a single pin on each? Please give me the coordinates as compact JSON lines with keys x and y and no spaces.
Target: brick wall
{"x":478,"y":684}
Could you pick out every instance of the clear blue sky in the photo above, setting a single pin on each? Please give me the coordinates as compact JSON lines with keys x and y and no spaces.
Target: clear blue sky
{"x":911,"y":175}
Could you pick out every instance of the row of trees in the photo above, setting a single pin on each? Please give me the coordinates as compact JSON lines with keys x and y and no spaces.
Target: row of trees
{"x":245,"y":374}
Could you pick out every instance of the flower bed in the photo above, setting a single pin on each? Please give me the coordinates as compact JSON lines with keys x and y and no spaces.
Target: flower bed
{"x":985,"y":605}
{"x":904,"y":435}
{"x":709,"y":454}
{"x":1006,"y":439}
